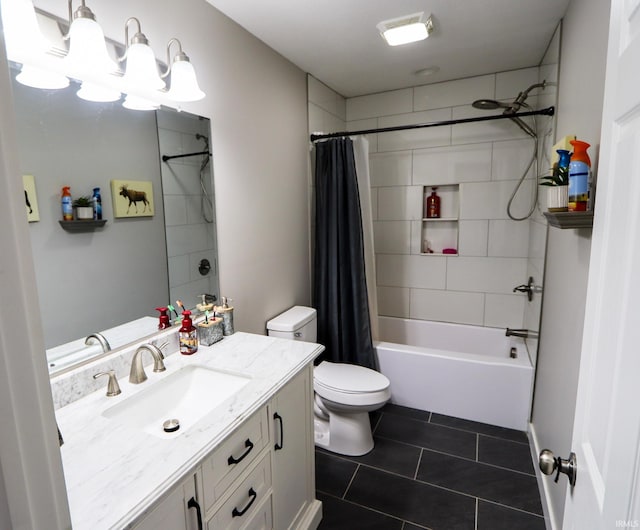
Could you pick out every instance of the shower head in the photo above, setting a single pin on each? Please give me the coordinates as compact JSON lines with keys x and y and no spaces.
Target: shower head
{"x":488,"y":104}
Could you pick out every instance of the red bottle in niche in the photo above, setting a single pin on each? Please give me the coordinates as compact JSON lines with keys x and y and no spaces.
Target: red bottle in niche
{"x":432,"y":205}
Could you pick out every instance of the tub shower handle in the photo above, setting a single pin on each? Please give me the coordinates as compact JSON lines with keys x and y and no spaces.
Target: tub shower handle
{"x":549,"y":463}
{"x":526,"y":288}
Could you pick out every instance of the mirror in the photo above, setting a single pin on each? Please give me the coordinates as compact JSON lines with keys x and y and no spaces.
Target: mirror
{"x":98,"y":278}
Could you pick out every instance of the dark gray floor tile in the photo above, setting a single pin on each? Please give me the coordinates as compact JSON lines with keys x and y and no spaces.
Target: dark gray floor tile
{"x":494,"y":517}
{"x":407,"y":412}
{"x":412,"y":501}
{"x":409,"y":526}
{"x":427,"y":435}
{"x":390,"y":455}
{"x":333,"y":474}
{"x":342,"y":515}
{"x":482,"y":428}
{"x":481,"y":480}
{"x":505,"y":453}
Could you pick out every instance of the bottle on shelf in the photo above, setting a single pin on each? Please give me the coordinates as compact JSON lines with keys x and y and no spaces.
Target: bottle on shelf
{"x":97,"y":204}
{"x":67,"y":204}
{"x":432,"y":205}
{"x":579,"y":177}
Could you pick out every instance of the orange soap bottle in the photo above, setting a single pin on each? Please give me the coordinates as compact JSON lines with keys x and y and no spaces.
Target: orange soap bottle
{"x":432,"y":205}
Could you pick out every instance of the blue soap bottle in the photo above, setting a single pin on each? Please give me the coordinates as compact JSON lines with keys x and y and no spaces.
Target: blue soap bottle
{"x":97,"y":204}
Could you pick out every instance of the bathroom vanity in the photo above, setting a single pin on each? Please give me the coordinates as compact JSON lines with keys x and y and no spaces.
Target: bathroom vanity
{"x":242,"y":458}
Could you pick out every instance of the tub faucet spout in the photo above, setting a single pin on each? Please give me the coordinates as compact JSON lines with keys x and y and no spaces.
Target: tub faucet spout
{"x":522,"y":333}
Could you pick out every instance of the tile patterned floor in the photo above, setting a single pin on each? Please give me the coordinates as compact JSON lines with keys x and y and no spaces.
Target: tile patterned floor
{"x":431,"y":471}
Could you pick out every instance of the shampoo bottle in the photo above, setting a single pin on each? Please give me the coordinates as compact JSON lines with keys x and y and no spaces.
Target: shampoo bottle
{"x":433,"y":205}
{"x":67,"y":204}
{"x":579,"y":177}
{"x":188,"y":335}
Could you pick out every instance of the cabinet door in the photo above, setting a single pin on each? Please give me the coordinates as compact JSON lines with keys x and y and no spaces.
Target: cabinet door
{"x":293,"y":464}
{"x":178,"y":510}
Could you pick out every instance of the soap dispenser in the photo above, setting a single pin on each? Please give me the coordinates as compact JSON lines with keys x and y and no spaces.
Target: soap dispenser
{"x":164,"y":318}
{"x":188,"y":335}
{"x":432,"y":205}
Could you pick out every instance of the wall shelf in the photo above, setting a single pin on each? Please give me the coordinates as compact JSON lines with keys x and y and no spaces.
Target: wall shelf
{"x":438,"y":233}
{"x":570,"y":219}
{"x":82,"y":225}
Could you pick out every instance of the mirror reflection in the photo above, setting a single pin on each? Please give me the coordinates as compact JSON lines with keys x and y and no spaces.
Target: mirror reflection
{"x":94,"y":279}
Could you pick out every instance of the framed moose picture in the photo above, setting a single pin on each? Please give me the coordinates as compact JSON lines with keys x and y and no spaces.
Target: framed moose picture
{"x":132,"y":198}
{"x":30,"y":198}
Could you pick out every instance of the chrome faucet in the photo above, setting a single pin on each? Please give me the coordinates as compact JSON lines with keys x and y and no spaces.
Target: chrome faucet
{"x":522,"y":333}
{"x":137,"y":374}
{"x":100,"y":338}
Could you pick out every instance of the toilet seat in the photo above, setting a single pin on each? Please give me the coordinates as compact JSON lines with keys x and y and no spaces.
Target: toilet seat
{"x":348,"y":384}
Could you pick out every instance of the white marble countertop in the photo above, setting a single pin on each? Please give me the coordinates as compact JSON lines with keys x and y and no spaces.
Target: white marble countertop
{"x":114,"y":472}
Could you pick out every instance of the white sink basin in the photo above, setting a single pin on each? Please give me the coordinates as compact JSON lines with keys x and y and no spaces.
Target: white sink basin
{"x":186,"y":395}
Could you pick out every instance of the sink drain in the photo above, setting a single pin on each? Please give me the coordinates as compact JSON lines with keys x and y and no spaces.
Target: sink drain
{"x":171,"y":425}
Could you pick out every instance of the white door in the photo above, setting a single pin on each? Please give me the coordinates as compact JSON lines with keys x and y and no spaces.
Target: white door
{"x":606,"y":435}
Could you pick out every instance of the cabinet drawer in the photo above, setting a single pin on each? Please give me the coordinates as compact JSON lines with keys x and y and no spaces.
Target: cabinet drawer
{"x":249,"y":506}
{"x":233,"y":457}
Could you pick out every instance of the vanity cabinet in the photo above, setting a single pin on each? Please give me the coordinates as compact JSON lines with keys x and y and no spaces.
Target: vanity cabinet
{"x":260,"y":477}
{"x":178,"y":510}
{"x":291,"y":413}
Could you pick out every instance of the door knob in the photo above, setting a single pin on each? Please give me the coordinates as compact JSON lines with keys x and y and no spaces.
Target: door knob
{"x":550,"y":463}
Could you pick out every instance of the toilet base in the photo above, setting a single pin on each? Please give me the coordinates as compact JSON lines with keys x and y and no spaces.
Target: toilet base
{"x":348,"y":434}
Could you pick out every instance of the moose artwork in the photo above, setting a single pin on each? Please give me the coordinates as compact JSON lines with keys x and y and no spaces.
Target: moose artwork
{"x":132,"y":198}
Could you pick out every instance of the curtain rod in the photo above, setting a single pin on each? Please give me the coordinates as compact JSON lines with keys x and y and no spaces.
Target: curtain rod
{"x":165,"y":158}
{"x":549,"y":111}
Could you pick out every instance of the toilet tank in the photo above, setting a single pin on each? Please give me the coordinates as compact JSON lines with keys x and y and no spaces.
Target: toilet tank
{"x":297,"y":323}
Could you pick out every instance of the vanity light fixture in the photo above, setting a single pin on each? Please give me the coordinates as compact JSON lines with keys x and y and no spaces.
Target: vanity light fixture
{"x":406,"y":29}
{"x":184,"y":84}
{"x":97,"y":93}
{"x":141,"y":73}
{"x":87,"y":47}
{"x":133,"y":102}
{"x":26,"y":45}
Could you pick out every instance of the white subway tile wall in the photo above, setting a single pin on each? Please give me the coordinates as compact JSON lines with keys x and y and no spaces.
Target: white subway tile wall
{"x":477,"y":167}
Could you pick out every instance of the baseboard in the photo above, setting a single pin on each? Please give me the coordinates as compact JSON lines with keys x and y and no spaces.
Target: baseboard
{"x":543,"y":484}
{"x":312,"y":516}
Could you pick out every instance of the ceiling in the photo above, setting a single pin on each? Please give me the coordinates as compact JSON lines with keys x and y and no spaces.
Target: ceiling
{"x":337,"y":42}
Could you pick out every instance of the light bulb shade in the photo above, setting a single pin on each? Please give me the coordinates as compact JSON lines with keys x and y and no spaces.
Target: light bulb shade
{"x":137,"y":103}
{"x":87,"y":50}
{"x":97,"y":93}
{"x":39,"y":78}
{"x":21,"y":31}
{"x":184,"y":85}
{"x":406,"y":34}
{"x":142,"y":70}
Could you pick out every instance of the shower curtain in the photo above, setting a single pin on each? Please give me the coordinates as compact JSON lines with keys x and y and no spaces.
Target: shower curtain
{"x":340,"y":269}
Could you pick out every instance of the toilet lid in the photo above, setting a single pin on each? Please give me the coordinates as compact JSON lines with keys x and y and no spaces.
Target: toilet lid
{"x":349,"y":378}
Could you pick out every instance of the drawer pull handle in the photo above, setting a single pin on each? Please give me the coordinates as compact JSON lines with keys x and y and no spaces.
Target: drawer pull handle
{"x":277,"y":416}
{"x":240,"y":513}
{"x":249,"y":445}
{"x":194,"y":504}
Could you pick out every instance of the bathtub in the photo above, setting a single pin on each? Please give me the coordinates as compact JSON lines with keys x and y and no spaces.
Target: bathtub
{"x":457,"y":370}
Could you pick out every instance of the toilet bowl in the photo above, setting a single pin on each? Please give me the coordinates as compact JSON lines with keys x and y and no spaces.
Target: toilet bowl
{"x":344,"y":396}
{"x":344,"y":393}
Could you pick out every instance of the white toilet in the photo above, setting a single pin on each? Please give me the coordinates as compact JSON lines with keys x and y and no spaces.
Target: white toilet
{"x":344,"y":393}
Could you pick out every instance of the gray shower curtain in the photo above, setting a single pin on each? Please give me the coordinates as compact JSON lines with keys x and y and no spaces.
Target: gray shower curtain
{"x":340,"y":286}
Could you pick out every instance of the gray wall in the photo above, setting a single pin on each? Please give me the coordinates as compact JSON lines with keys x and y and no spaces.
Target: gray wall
{"x":581,"y":89}
{"x":94,"y":280}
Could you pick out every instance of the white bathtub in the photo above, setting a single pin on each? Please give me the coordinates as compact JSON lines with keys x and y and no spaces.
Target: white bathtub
{"x":457,"y":370}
